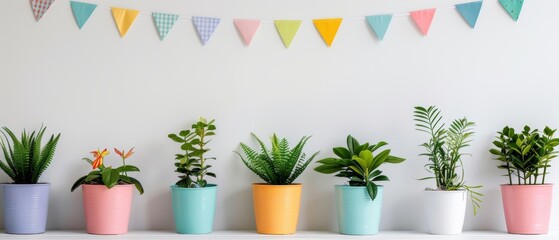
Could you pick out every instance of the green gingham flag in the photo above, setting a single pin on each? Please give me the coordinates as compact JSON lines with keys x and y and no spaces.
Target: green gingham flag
{"x":164,"y":23}
{"x":205,"y":27}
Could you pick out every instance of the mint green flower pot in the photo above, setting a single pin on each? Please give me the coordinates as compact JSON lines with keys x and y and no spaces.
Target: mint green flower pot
{"x":357,"y":213}
{"x":194,"y":209}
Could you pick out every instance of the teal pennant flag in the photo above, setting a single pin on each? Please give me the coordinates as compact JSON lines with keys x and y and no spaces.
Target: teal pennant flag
{"x":82,"y":11}
{"x":470,"y":12}
{"x":513,"y":7}
{"x":379,"y":24}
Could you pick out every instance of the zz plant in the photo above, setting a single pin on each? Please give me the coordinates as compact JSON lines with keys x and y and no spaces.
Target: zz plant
{"x":525,"y":155}
{"x":25,"y":158}
{"x":444,"y":151}
{"x":359,"y":163}
{"x":192,"y":162}
{"x":278,"y":165}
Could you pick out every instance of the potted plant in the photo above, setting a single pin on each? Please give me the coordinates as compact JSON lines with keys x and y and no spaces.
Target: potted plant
{"x":193,"y":199}
{"x":277,"y":202}
{"x":26,"y":200}
{"x":526,"y":157}
{"x":445,"y":205}
{"x":107,"y":193}
{"x":359,"y":204}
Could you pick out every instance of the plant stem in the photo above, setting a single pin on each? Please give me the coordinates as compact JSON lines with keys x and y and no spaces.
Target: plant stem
{"x":201,"y":176}
{"x":124,"y":164}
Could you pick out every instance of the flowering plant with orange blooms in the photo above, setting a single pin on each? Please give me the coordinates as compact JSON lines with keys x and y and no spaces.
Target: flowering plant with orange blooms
{"x":109,"y":176}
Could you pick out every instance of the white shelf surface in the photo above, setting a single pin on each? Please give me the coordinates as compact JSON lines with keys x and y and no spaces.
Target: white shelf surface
{"x":392,"y":235}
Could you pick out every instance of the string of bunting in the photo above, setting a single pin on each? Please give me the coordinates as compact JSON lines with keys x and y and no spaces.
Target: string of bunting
{"x":287,"y":29}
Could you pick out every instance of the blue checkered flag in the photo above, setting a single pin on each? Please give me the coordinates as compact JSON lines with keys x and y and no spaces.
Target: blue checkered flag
{"x":205,"y":27}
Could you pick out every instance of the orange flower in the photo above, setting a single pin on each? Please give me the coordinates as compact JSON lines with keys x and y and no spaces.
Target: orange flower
{"x":124,"y":154}
{"x":98,"y":155}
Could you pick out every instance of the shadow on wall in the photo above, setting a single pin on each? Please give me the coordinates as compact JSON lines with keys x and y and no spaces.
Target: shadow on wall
{"x":320,"y":206}
{"x":238,"y":211}
{"x":160,"y":214}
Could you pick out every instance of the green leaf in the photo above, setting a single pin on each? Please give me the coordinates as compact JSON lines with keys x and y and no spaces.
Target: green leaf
{"x":342,"y":152}
{"x":372,"y":189}
{"x":175,"y":138}
{"x":137,"y":184}
{"x":78,"y":182}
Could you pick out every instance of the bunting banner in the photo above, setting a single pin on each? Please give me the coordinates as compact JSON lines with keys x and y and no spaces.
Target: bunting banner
{"x":82,"y":12}
{"x":513,"y":7}
{"x":470,"y":12}
{"x":423,"y":19}
{"x":287,"y":29}
{"x":247,"y":28}
{"x":40,"y":7}
{"x":379,"y":24}
{"x":327,"y":28}
{"x":205,"y":27}
{"x":164,"y":22}
{"x":124,"y":19}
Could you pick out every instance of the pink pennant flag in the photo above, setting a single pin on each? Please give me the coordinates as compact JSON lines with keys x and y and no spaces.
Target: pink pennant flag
{"x":40,"y":7}
{"x":247,"y":28}
{"x":423,"y":19}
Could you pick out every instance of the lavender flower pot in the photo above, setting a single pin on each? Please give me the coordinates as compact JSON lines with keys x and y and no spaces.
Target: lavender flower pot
{"x":25,"y":207}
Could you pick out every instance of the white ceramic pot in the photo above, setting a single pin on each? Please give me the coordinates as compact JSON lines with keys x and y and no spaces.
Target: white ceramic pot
{"x":445,"y":211}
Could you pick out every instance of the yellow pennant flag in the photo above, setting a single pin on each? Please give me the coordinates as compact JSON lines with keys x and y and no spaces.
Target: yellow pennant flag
{"x":287,"y":30}
{"x":327,"y":28}
{"x":124,"y":19}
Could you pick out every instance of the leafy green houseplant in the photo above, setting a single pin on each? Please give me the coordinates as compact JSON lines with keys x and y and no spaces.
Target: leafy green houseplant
{"x":358,"y":206}
{"x":526,"y":157}
{"x":192,"y":162}
{"x":444,"y":151}
{"x":193,"y":198}
{"x":359,"y":164}
{"x":276,"y":204}
{"x":109,"y":176}
{"x":25,"y":160}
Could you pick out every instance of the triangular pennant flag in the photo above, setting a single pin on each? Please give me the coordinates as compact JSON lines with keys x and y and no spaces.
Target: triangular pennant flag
{"x":470,"y":12}
{"x":513,"y":7}
{"x":327,"y":28}
{"x":287,"y":30}
{"x":40,"y":7}
{"x":164,"y":22}
{"x":205,"y":27}
{"x":247,"y":28}
{"x":423,"y":19}
{"x":379,"y":24}
{"x":82,"y":12}
{"x":124,"y":19}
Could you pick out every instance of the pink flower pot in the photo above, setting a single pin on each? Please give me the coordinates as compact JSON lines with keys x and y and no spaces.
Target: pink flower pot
{"x":107,"y":211}
{"x":527,"y":208}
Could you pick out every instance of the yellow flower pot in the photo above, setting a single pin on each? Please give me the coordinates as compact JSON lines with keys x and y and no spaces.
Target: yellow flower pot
{"x":276,"y":208}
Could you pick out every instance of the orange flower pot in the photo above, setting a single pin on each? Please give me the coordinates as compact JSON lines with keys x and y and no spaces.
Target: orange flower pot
{"x":276,"y":208}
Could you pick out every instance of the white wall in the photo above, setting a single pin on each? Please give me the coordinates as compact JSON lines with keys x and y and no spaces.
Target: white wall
{"x":103,"y":91}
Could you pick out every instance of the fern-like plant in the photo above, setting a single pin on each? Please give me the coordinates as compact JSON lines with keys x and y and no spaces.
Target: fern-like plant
{"x":444,"y":150}
{"x":25,"y":158}
{"x":278,"y":165}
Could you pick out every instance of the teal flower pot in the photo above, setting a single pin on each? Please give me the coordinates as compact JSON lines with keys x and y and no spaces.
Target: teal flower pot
{"x":194,"y":209}
{"x":357,"y":213}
